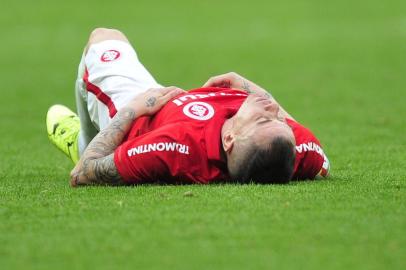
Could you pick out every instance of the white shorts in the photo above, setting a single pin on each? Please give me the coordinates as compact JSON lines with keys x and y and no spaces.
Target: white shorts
{"x":109,"y":76}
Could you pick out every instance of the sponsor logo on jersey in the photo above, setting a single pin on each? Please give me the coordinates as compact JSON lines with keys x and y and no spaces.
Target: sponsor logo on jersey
{"x":159,"y":147}
{"x":110,"y":55}
{"x":199,"y":110}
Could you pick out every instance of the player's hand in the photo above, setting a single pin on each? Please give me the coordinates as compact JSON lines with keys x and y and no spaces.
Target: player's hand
{"x":154,"y":99}
{"x":236,"y":81}
{"x":228,"y":80}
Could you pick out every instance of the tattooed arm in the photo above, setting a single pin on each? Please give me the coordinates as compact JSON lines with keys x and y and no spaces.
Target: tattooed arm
{"x":96,"y":166}
{"x":236,"y":81}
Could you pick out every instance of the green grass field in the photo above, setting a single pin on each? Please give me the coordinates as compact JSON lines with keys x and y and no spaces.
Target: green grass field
{"x":338,"y":66}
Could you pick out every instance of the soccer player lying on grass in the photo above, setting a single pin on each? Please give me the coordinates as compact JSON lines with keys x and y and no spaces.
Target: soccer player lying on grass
{"x":131,"y":130}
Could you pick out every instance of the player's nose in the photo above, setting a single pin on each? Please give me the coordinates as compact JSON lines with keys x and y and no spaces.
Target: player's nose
{"x":273,"y":109}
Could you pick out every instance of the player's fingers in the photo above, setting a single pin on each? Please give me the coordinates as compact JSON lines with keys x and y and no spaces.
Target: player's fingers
{"x":172,"y":92}
{"x":79,"y":184}
{"x":165,"y":90}
{"x":218,"y":81}
{"x":167,"y":94}
{"x":173,"y":89}
{"x":77,"y":178}
{"x":209,"y":83}
{"x":75,"y":181}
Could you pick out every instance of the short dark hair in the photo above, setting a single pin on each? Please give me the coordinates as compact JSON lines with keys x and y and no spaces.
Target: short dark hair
{"x":271,"y":164}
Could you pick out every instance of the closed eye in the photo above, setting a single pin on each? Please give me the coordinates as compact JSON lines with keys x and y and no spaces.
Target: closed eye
{"x":263,"y":120}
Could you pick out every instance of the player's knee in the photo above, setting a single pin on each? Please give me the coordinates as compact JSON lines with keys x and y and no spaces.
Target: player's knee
{"x":101,"y":34}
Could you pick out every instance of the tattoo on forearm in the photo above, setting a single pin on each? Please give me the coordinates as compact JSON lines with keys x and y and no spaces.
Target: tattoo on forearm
{"x":98,"y":160}
{"x":150,"y":101}
{"x":105,"y":171}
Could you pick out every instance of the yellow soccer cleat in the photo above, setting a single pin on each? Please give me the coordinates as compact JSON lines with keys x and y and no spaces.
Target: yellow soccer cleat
{"x":63,"y":127}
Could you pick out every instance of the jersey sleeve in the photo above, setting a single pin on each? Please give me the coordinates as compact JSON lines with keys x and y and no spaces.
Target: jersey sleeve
{"x":311,"y":161}
{"x":152,"y":157}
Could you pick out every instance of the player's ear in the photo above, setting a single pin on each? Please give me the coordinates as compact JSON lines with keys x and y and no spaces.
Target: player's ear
{"x":228,"y":140}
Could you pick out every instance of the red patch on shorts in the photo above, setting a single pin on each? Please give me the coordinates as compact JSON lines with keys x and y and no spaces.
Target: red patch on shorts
{"x":110,"y":55}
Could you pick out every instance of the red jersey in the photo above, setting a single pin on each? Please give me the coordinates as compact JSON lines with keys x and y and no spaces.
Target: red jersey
{"x":182,"y":142}
{"x":310,"y":158}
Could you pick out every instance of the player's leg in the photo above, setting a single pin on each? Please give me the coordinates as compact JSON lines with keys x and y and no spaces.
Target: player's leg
{"x":109,"y":76}
{"x":87,"y":129}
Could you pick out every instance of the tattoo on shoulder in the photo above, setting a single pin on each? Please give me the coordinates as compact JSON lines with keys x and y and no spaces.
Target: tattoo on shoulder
{"x":246,"y":86}
{"x":150,"y":102}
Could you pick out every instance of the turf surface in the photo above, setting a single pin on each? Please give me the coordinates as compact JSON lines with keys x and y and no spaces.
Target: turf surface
{"x":337,"y":66}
